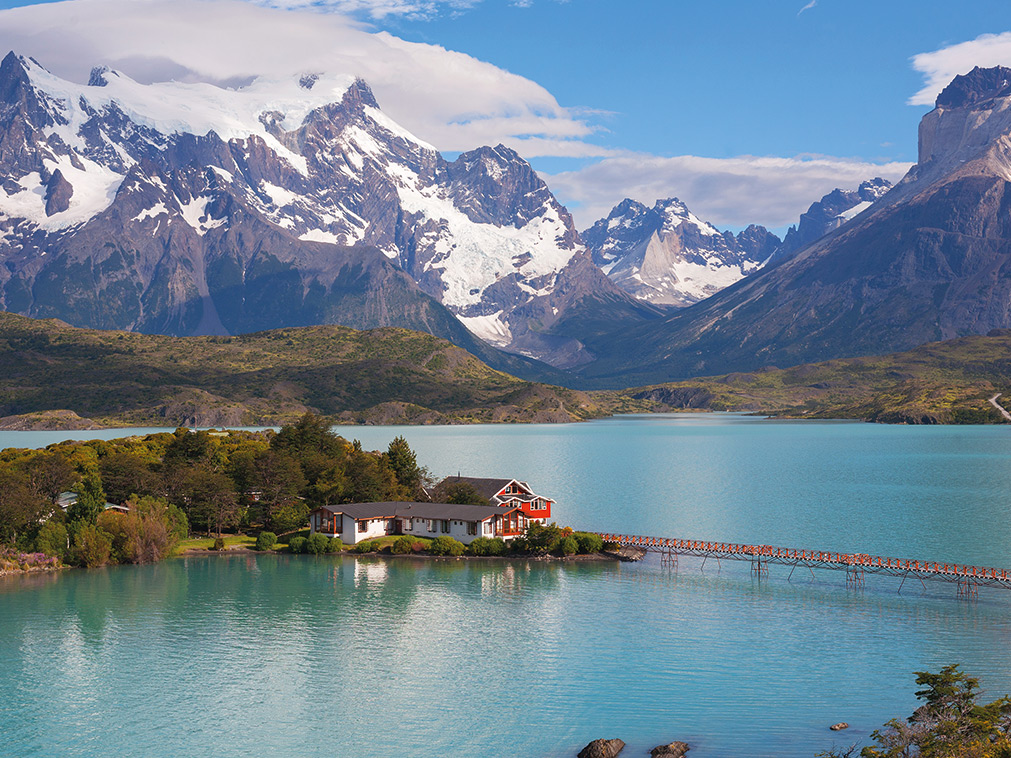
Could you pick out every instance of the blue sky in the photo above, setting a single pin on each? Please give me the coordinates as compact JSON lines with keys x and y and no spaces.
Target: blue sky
{"x":748,"y":111}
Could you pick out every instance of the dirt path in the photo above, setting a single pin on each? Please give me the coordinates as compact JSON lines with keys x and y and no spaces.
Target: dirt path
{"x":998,"y":406}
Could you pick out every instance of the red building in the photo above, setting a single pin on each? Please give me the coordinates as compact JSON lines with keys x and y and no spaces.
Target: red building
{"x":507,"y":492}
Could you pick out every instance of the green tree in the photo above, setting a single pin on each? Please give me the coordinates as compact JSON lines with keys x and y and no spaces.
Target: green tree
{"x":21,"y":507}
{"x":125,"y":474}
{"x":92,"y":546}
{"x":310,"y":434}
{"x":189,"y":447}
{"x":404,"y":463}
{"x":950,"y":723}
{"x":49,"y":474}
{"x":461,"y":493}
{"x":90,"y":499}
{"x":52,"y":539}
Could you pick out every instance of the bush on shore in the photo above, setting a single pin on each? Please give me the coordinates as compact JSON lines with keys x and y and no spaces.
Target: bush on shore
{"x":446,"y":546}
{"x":336,"y":545}
{"x":317,"y":544}
{"x":266,"y":541}
{"x":296,"y":545}
{"x":487,"y":546}
{"x":402,"y":546}
{"x":368,"y":546}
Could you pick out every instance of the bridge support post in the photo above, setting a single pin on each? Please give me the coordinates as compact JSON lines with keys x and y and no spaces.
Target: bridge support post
{"x":669,"y":558}
{"x":759,"y":567}
{"x":855,"y":576}
{"x":968,"y":589}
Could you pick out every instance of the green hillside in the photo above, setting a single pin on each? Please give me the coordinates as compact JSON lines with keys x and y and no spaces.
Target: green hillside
{"x":378,"y":376}
{"x":946,"y":382}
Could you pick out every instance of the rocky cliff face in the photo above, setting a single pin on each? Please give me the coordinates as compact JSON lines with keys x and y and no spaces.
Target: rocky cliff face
{"x":829,"y":213}
{"x":193,"y":209}
{"x":668,"y":256}
{"x":930,"y":260}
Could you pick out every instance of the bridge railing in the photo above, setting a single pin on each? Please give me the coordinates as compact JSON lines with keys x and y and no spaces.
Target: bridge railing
{"x":836,"y":559}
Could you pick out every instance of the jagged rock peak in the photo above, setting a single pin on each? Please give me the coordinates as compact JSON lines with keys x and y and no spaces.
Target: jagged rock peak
{"x":97,"y":77}
{"x":979,"y":86}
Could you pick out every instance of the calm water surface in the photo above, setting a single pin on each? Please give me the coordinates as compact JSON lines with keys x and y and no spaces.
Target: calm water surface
{"x":294,"y":656}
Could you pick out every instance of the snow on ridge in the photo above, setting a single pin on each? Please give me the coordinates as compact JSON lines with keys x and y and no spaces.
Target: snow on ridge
{"x":193,"y":108}
{"x":95,"y":187}
{"x":472,"y":256}
{"x":491,"y":328}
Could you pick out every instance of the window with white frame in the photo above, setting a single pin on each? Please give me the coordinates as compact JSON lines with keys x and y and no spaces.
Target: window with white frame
{"x":445,"y":526}
{"x":471,"y":527}
{"x":431,"y":524}
{"x":363,"y":526}
{"x":489,"y":527}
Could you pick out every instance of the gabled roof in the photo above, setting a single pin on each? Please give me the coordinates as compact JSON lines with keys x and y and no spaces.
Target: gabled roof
{"x":451,"y":511}
{"x":487,"y":488}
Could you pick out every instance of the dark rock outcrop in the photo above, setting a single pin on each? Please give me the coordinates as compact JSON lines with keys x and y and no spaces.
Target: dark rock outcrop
{"x":671,"y":750}
{"x":602,"y":749}
{"x":839,"y":727}
{"x":58,"y":193}
{"x":829,"y":213}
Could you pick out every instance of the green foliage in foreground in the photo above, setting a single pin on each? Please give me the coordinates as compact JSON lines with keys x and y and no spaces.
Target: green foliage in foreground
{"x":951,"y":723}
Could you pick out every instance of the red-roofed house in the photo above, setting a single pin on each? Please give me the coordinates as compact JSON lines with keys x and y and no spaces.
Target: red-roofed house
{"x":508,"y":492}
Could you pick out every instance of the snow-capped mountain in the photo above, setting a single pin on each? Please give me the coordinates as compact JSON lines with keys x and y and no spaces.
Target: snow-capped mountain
{"x":829,"y":213}
{"x":192,"y":208}
{"x":669,"y":256}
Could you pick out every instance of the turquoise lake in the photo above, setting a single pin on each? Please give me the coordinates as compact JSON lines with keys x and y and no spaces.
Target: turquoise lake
{"x":295,"y":655}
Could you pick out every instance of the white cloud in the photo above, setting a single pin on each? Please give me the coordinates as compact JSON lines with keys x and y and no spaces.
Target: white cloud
{"x":729,"y":192}
{"x":377,"y":9}
{"x":808,"y":7}
{"x":941,"y":66}
{"x":452,"y":100}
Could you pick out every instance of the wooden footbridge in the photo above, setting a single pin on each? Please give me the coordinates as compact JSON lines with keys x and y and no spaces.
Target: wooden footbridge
{"x":968,"y":579}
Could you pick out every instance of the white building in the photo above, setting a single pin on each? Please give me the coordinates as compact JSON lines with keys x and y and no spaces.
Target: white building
{"x":359,"y":522}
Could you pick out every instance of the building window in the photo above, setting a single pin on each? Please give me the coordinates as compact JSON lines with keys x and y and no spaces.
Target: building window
{"x":489,"y":527}
{"x":363,"y":526}
{"x":408,"y":525}
{"x":445,"y":526}
{"x":471,"y":527}
{"x":431,"y":524}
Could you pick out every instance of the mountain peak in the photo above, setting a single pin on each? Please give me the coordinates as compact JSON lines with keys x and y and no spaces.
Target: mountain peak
{"x":979,"y":86}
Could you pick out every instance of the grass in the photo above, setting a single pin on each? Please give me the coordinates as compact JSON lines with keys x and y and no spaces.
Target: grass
{"x":206,"y":543}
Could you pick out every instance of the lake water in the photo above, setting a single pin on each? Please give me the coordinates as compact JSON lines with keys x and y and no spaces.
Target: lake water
{"x":294,"y":655}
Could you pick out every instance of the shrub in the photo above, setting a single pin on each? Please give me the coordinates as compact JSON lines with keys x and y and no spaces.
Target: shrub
{"x":568,"y":546}
{"x":297,"y":544}
{"x":544,"y":538}
{"x":589,"y":543}
{"x":92,"y":546}
{"x":336,"y":545}
{"x":446,"y":546}
{"x":419,"y":547}
{"x":219,"y":544}
{"x":611,"y":545}
{"x":487,"y":546}
{"x":368,"y":546}
{"x":402,"y":546}
{"x":52,"y":539}
{"x":317,"y":544}
{"x":266,"y":541}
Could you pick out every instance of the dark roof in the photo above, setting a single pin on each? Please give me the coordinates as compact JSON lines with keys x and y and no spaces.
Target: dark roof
{"x":487,"y":488}
{"x":452,"y":511}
